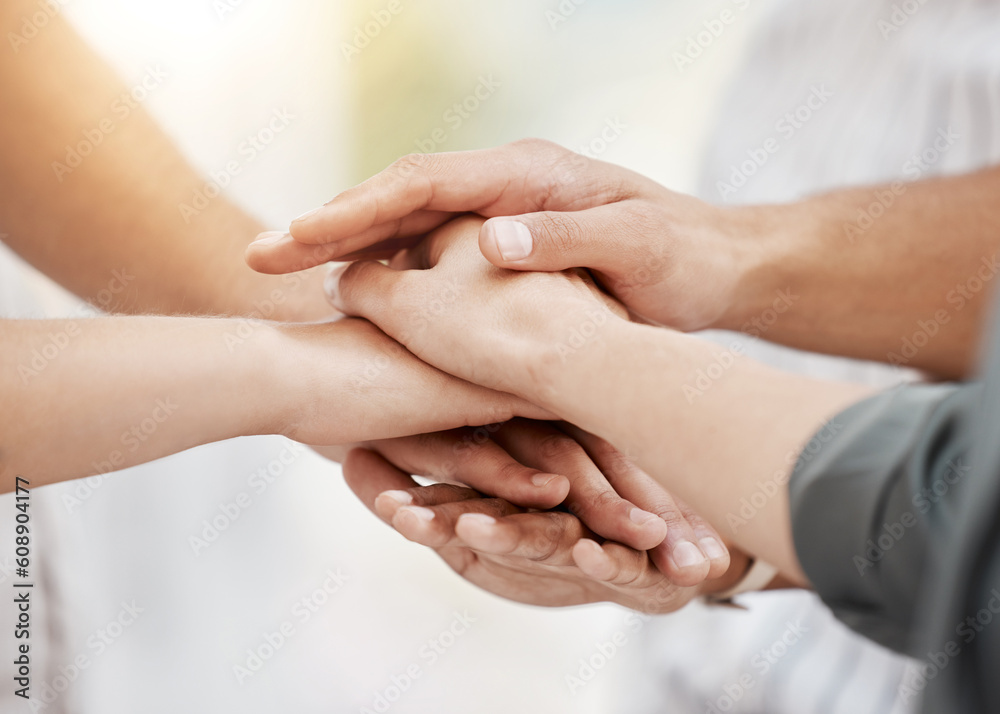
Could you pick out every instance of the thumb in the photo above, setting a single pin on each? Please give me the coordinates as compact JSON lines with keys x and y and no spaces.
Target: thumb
{"x":554,"y":240}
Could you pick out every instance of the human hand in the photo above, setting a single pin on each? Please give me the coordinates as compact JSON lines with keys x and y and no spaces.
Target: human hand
{"x":445,"y":303}
{"x":544,"y":558}
{"x":346,"y":382}
{"x":670,"y":258}
{"x":536,"y":465}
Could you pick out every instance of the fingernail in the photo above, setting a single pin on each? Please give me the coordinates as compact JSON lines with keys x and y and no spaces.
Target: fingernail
{"x":423,"y":514}
{"x":306,"y":216}
{"x":400,"y":497}
{"x":512,"y":238}
{"x":269,"y":238}
{"x":331,"y":286}
{"x":641,"y":517}
{"x":541,"y":480}
{"x":712,"y":548}
{"x":480,"y":519}
{"x":686,"y":555}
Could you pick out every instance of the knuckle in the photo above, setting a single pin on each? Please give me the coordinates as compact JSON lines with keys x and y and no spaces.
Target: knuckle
{"x":600,"y":500}
{"x":395,"y":294}
{"x":559,"y":176}
{"x":558,"y":447}
{"x":545,"y":546}
{"x":670,"y":514}
{"x":627,"y":575}
{"x":410,"y":165}
{"x":613,"y":462}
{"x":559,"y":230}
{"x":509,"y":471}
{"x":353,"y":278}
{"x":535,"y":146}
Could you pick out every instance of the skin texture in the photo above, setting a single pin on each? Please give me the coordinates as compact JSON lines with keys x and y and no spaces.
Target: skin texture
{"x":542,"y":335}
{"x":842,"y":282}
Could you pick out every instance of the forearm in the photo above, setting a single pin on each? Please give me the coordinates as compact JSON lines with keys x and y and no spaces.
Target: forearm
{"x":88,"y":396}
{"x":899,"y":273}
{"x":111,"y":226}
{"x":718,"y":445}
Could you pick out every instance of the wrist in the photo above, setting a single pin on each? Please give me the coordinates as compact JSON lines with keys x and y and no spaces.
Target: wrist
{"x":577,"y":353}
{"x":764,"y":244}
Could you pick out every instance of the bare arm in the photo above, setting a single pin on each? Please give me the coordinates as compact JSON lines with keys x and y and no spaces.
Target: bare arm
{"x":119,"y":209}
{"x":94,"y":395}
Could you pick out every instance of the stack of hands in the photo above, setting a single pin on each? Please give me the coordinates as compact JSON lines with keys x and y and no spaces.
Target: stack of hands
{"x":534,"y":509}
{"x":547,"y":293}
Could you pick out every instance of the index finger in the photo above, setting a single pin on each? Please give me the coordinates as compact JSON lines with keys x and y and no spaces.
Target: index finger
{"x":451,"y":181}
{"x":521,"y":177}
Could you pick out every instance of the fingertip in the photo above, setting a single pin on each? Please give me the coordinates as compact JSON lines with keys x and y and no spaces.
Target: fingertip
{"x":649,"y":530}
{"x":717,"y":554}
{"x":475,"y":527}
{"x":305,"y":221}
{"x":483,"y":533}
{"x":317,"y":225}
{"x":686,"y":564}
{"x":416,"y":523}
{"x":550,"y":489}
{"x":388,"y":502}
{"x":504,"y":241}
{"x":591,"y":559}
{"x":353,"y":463}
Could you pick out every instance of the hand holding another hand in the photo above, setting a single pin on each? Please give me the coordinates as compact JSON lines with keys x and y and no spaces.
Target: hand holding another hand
{"x":540,"y":557}
{"x":670,"y":258}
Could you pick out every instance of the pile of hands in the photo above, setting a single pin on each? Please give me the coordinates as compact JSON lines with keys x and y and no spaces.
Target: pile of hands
{"x":491,"y":314}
